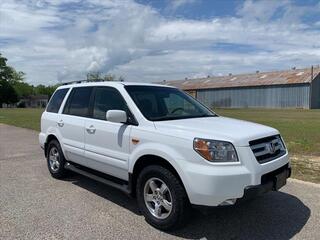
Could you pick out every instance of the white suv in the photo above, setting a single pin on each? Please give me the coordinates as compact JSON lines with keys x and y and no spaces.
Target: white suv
{"x":161,"y":145}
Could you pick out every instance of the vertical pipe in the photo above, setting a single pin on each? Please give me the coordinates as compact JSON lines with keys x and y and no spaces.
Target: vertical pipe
{"x":310,"y":88}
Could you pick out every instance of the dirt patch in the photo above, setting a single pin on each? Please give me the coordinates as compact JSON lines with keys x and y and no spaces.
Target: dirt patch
{"x":306,"y":168}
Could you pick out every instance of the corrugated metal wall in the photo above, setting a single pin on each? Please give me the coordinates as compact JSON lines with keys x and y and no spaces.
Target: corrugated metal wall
{"x":286,"y":96}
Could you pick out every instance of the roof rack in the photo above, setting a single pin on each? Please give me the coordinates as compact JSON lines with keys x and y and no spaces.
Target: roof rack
{"x":84,"y":81}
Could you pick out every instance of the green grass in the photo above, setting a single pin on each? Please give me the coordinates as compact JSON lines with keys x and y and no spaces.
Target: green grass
{"x":21,"y":117}
{"x":299,"y":128}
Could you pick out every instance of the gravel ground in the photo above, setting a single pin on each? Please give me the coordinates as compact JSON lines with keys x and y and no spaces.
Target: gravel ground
{"x":35,"y":206}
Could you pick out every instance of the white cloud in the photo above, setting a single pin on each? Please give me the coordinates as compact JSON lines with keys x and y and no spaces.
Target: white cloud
{"x":262,"y":10}
{"x":51,"y":41}
{"x":175,"y":4}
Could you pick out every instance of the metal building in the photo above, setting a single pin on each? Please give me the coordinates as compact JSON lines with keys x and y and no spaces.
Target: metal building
{"x":296,"y":88}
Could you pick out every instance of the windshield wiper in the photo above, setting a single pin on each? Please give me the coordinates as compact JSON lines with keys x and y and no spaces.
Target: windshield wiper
{"x":163,"y":118}
{"x":206,"y":115}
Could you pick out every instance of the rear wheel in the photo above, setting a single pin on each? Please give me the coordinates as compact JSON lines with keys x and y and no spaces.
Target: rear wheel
{"x":56,"y":160}
{"x":162,"y":198}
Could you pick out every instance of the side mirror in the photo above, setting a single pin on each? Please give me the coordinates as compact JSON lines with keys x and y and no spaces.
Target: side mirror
{"x":117,"y":116}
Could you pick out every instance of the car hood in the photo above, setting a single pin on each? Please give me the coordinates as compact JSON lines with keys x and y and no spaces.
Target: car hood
{"x":238,"y":132}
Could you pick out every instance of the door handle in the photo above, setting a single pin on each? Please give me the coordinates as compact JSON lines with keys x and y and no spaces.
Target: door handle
{"x":60,"y":123}
{"x":91,"y":129}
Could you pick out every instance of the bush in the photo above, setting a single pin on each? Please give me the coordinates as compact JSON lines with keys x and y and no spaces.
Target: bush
{"x":21,"y":105}
{"x":8,"y":94}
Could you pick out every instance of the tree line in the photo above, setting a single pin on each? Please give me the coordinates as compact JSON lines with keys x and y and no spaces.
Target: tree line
{"x":13,"y":87}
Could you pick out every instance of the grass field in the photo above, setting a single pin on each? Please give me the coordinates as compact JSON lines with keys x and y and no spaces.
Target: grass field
{"x":299,"y":128}
{"x":21,"y":117}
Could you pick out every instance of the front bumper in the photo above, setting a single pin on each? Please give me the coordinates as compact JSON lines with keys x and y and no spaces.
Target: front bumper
{"x":272,"y":181}
{"x":222,"y":184}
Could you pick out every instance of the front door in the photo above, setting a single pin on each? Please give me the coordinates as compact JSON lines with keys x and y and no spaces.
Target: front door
{"x":107,"y":143}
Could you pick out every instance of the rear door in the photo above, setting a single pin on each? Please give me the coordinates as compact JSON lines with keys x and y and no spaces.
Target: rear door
{"x":49,"y":117}
{"x":107,"y":143}
{"x":72,"y":121}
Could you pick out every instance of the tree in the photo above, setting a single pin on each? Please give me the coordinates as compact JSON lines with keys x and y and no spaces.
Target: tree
{"x":109,"y":77}
{"x":7,"y":93}
{"x":94,"y":76}
{"x":97,"y":76}
{"x":17,"y":77}
{"x":23,"y":89}
{"x":5,"y":71}
{"x":8,"y":75}
{"x":13,"y":87}
{"x":45,"y":90}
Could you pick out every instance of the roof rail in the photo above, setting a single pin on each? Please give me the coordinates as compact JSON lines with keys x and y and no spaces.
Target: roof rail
{"x":83,"y":81}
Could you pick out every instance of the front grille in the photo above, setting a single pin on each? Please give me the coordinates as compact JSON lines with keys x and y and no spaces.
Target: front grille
{"x":267,"y":149}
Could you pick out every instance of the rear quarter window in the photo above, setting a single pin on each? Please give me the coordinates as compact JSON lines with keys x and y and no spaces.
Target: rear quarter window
{"x":56,"y":100}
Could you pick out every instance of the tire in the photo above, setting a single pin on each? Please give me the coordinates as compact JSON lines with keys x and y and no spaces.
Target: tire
{"x":56,"y":160}
{"x":153,"y":177}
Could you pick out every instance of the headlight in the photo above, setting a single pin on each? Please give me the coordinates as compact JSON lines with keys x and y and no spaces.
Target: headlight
{"x":215,"y":151}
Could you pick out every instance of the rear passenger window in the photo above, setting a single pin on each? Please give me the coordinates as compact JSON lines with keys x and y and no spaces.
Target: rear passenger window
{"x":56,"y":100}
{"x":105,"y":99}
{"x":78,"y":102}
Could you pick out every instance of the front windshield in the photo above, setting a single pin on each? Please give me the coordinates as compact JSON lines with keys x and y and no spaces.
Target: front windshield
{"x":164,"y":103}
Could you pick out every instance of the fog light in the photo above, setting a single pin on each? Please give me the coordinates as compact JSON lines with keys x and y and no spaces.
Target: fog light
{"x":228,"y":202}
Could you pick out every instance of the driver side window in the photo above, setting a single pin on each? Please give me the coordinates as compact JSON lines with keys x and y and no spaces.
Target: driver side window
{"x":175,"y":101}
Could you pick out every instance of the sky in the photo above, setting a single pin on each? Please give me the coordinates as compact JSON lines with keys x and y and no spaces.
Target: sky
{"x":56,"y":41}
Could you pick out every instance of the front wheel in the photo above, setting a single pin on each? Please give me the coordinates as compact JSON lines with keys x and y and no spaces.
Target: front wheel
{"x":162,"y":198}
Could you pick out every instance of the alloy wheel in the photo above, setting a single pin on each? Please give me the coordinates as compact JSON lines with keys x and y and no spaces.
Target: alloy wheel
{"x":157,"y":198}
{"x":54,"y":159}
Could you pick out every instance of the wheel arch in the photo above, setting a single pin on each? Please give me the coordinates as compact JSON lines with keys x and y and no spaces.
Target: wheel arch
{"x":148,"y":160}
{"x":49,"y":138}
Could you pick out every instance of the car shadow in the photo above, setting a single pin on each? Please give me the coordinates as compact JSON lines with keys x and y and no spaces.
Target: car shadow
{"x":109,"y":193}
{"x":275,"y":215}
